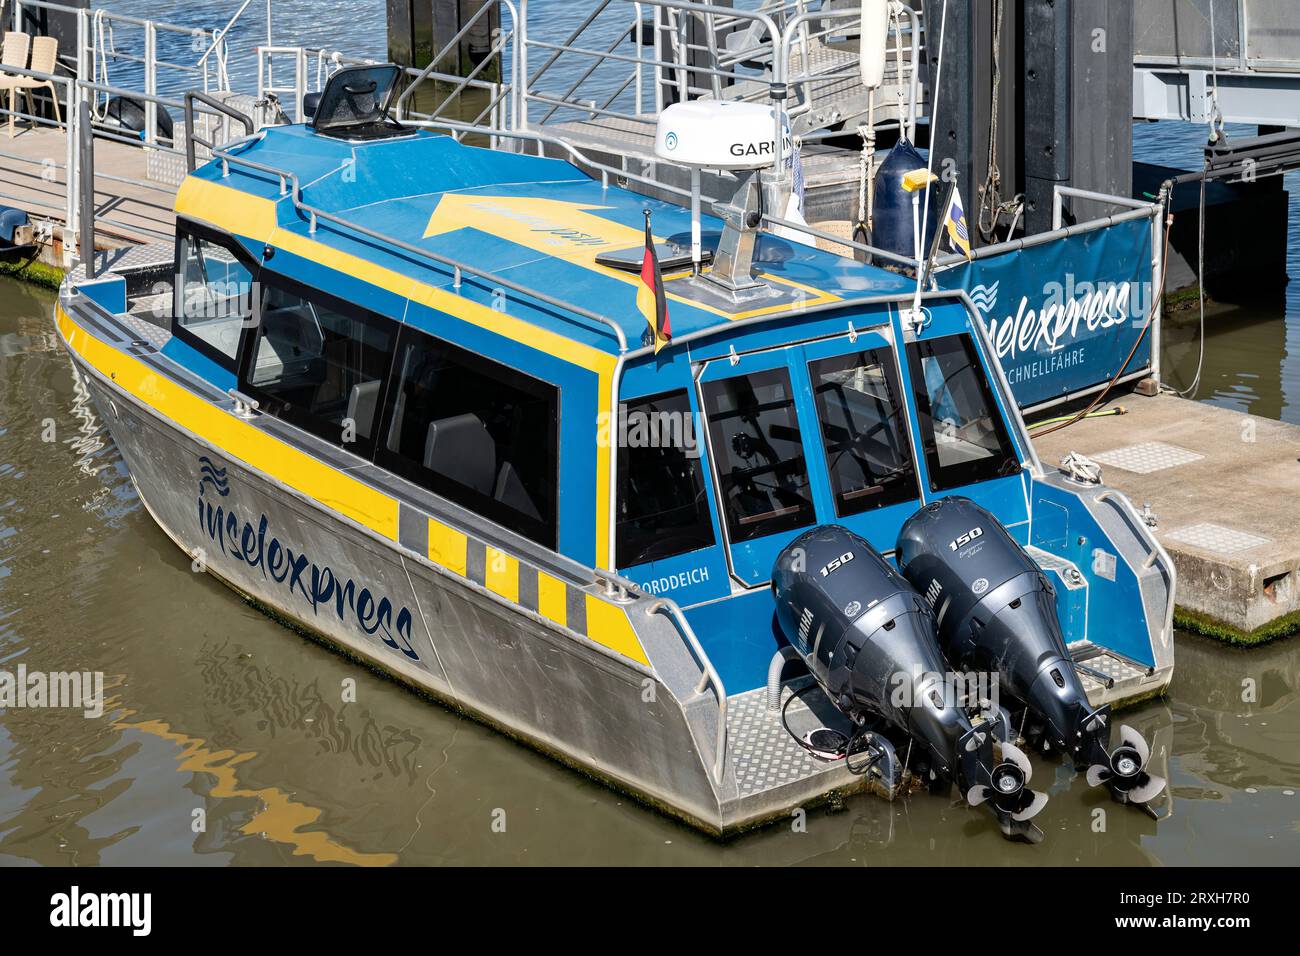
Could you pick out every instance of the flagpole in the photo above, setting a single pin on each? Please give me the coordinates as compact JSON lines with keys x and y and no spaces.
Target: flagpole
{"x":942,"y":227}
{"x":696,"y":253}
{"x":929,"y":160}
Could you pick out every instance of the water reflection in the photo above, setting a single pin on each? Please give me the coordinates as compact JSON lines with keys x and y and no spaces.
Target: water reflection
{"x":1252,"y":355}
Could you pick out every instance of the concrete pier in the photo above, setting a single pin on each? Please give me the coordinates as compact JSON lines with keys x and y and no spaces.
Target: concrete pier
{"x":1224,"y":488}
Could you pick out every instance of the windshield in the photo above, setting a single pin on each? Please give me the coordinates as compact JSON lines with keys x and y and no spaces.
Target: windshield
{"x":754,"y":436}
{"x":962,"y":431}
{"x":867,"y":452}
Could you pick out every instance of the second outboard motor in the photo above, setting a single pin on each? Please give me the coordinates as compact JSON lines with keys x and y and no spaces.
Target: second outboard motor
{"x":868,"y":638}
{"x":996,"y":611}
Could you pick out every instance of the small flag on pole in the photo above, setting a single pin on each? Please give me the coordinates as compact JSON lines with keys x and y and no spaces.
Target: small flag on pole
{"x":651,"y":298}
{"x":955,"y":223}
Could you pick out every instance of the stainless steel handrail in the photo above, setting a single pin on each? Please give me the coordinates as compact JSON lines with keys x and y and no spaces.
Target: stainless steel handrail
{"x":606,"y":171}
{"x":314,"y":214}
{"x":192,"y":138}
{"x":708,"y":677}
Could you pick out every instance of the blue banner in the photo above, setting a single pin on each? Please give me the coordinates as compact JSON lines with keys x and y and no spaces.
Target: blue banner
{"x":1063,"y":316}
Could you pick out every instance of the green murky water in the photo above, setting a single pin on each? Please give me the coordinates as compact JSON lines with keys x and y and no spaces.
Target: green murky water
{"x":216,"y":714}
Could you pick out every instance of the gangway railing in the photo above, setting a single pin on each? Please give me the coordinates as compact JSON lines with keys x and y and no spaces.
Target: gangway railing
{"x":496,"y":56}
{"x":266,"y":85}
{"x":681,"y":49}
{"x":193,"y":139}
{"x":97,"y":47}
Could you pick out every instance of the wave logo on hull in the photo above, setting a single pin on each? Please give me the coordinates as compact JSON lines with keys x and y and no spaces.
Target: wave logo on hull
{"x":210,"y":474}
{"x":317,"y":585}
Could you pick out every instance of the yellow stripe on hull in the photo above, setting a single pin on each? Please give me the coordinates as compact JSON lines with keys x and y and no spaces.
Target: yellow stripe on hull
{"x":236,"y":438}
{"x":611,"y":622}
{"x":552,"y":601}
{"x":447,"y":547}
{"x":254,"y":217}
{"x":607,"y":624}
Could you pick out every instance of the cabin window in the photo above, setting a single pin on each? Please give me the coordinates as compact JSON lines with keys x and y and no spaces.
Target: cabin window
{"x":320,"y":364}
{"x":758,"y":454}
{"x":663,"y":510}
{"x":476,"y":432}
{"x":962,"y":430}
{"x":863,"y":431}
{"x":213,"y":297}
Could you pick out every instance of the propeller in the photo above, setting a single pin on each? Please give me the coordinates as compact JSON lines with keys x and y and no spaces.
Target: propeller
{"x":1007,"y":791}
{"x":1124,"y":770}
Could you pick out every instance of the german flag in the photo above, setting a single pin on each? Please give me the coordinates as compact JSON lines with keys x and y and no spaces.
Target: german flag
{"x":651,"y":298}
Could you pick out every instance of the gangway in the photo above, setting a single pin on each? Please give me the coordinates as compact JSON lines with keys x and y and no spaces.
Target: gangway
{"x":1215,"y":61}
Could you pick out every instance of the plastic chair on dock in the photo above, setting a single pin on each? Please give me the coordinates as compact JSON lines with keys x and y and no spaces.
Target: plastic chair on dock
{"x":14,"y":54}
{"x":45,"y":59}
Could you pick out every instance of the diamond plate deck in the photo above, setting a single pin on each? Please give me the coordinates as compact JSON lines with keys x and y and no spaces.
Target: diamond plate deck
{"x":764,"y":755}
{"x":1147,"y":457}
{"x":1217,"y":539}
{"x":147,"y":331}
{"x":1094,"y":663}
{"x":1051,"y":562}
{"x":127,"y":258}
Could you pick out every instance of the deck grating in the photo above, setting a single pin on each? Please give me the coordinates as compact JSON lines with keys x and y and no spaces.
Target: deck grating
{"x":1147,"y":457}
{"x":1217,"y":539}
{"x":763,"y":753}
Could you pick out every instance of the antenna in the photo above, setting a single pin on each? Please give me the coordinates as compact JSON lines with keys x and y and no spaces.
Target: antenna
{"x":736,"y":137}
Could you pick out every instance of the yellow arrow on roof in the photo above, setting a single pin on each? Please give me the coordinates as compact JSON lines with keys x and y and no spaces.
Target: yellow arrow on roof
{"x":569,"y":231}
{"x":566,"y":230}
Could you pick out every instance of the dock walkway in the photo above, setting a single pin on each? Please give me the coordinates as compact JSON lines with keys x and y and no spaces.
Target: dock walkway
{"x":32,"y":167}
{"x":1224,"y":487}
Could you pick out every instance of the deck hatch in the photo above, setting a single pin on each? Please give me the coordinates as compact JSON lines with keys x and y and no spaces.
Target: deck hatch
{"x":355,"y":101}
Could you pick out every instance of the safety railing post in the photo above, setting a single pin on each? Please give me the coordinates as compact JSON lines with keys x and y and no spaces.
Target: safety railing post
{"x":521,"y":38}
{"x":300,"y":86}
{"x":72,"y":120}
{"x":262,"y":85}
{"x":638,"y":97}
{"x":86,"y":141}
{"x":1158,"y":217}
{"x":150,"y":82}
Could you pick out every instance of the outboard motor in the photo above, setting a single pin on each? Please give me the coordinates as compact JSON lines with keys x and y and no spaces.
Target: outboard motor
{"x":868,"y":638}
{"x":996,"y":611}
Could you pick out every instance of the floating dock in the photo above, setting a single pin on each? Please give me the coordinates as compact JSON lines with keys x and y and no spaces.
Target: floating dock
{"x":1222,"y":486}
{"x":130,"y":208}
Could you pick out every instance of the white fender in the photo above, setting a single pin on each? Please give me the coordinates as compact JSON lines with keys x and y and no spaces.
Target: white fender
{"x":873,"y":42}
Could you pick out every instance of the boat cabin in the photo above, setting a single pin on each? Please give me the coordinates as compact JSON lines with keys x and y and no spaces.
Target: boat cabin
{"x":751,"y":426}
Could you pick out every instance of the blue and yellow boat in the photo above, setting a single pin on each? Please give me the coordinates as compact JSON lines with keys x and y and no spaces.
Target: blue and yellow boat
{"x":398,"y":392}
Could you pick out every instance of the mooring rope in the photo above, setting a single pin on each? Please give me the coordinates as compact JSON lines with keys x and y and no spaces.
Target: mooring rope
{"x":1191,"y":390}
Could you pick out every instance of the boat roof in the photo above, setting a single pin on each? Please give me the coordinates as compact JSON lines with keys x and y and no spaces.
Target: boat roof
{"x":536,"y":222}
